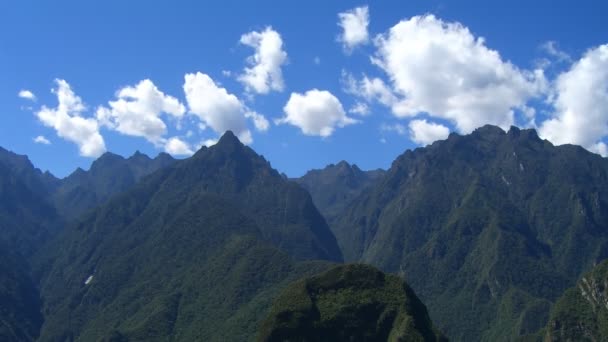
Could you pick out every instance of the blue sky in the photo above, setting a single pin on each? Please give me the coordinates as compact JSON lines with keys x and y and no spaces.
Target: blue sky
{"x":340,"y":80}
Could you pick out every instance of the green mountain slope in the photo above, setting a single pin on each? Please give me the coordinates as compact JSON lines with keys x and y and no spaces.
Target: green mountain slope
{"x":581,"y":313}
{"x":491,"y":226}
{"x":348,"y":303}
{"x":20,"y":305}
{"x":196,"y":251}
{"x":334,"y":187}
{"x":27,"y":219}
{"x":110,"y":174}
{"x":35,"y":180}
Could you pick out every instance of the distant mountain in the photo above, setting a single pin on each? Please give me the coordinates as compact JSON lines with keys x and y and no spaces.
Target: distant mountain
{"x":490,"y":226}
{"x":334,"y":187}
{"x":41,"y":183}
{"x":348,"y":303}
{"x":109,"y":175}
{"x":27,"y":218}
{"x":581,"y":313}
{"x":196,"y":251}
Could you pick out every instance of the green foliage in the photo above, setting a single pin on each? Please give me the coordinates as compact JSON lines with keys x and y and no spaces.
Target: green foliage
{"x":194,"y":252}
{"x":491,"y":226}
{"x":20,"y":317}
{"x":581,"y":313}
{"x":348,"y":303}
{"x":26,"y":218}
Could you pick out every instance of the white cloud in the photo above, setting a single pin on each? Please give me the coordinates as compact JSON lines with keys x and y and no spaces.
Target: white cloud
{"x":218,"y":109}
{"x":259,"y":121}
{"x":552,"y":49}
{"x":397,"y":128}
{"x":370,"y":89}
{"x":137,"y":112}
{"x":209,"y":142}
{"x":441,"y":69}
{"x":264,"y":73}
{"x":354,"y":27}
{"x":581,"y":103}
{"x":26,"y":94}
{"x":67,"y":121}
{"x":425,"y":133}
{"x":317,"y":112}
{"x":42,"y":140}
{"x":178,"y":147}
{"x":600,"y":148}
{"x":359,"y":108}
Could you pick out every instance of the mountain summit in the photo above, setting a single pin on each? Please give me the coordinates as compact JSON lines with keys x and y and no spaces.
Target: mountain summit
{"x":492,"y":226}
{"x":109,"y":175}
{"x":334,"y":187}
{"x":348,"y":303}
{"x":191,"y":252}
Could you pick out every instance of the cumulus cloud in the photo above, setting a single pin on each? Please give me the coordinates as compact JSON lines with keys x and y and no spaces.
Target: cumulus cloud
{"x":219,"y":109}
{"x":581,"y":103}
{"x":137,"y":112}
{"x":177,"y":147}
{"x":354,"y":27}
{"x":26,"y":94}
{"x":316,"y":112}
{"x":264,"y":73}
{"x":443,"y":70}
{"x":423,"y":132}
{"x":68,"y":122}
{"x":41,"y":139}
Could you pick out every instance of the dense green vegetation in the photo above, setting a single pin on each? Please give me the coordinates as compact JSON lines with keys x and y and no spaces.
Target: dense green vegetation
{"x":352,"y":302}
{"x":27,"y":219}
{"x":334,"y":187}
{"x":581,"y":313}
{"x":491,"y":226}
{"x":194,"y":252}
{"x":20,"y":316}
{"x":489,"y":229}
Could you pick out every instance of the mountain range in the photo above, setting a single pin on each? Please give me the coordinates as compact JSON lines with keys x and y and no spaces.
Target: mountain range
{"x":492,"y":232}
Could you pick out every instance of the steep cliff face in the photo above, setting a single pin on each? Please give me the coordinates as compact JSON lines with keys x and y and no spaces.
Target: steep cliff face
{"x":581,"y":314}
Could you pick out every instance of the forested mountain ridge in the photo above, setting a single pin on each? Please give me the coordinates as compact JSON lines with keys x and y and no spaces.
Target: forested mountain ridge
{"x":110,"y":174}
{"x":196,"y":251}
{"x":335,"y":186}
{"x":27,"y":218}
{"x":353,"y":302}
{"x":489,"y":229}
{"x":492,"y":226}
